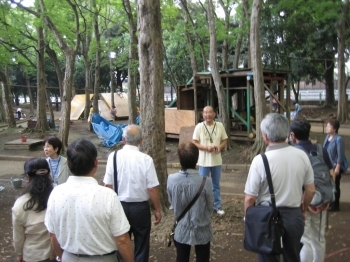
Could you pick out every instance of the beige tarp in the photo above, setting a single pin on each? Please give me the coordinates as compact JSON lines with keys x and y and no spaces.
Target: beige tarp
{"x":77,"y":106}
{"x":120,"y":101}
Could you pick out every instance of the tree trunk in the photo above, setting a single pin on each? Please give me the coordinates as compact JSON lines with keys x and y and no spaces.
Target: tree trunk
{"x":98,"y":58}
{"x":224,"y":115}
{"x":31,"y":101}
{"x":247,"y":16}
{"x":227,"y":11}
{"x":49,"y":105}
{"x":342,"y":114}
{"x":132,"y":69}
{"x":190,"y":47}
{"x":329,"y":78}
{"x":259,"y":90}
{"x":41,"y":124}
{"x":87,"y":66}
{"x":152,"y":89}
{"x":6,"y":101}
{"x":67,"y":96}
{"x":111,"y":71}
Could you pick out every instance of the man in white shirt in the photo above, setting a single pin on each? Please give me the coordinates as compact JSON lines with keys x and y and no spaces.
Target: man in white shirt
{"x":290,"y":172}
{"x":86,"y":221}
{"x":137,"y":182}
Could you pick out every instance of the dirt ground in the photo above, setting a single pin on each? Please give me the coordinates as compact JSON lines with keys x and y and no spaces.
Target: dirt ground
{"x":228,"y":230}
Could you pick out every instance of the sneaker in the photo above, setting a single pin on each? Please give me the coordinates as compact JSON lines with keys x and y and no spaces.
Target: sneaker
{"x":219,"y":211}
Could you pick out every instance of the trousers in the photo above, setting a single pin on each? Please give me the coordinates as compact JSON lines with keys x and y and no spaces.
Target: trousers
{"x":68,"y":257}
{"x":293,"y":223}
{"x":183,"y":252}
{"x":314,"y":242}
{"x":139,"y":216}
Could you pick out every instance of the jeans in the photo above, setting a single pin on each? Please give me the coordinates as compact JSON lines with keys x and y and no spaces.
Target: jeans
{"x":293,"y":223}
{"x":215,"y":172}
{"x":183,"y":252}
{"x":314,"y":248}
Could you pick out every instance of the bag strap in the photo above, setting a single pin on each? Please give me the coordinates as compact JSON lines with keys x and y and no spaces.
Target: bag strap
{"x":269,"y":181}
{"x":191,"y":203}
{"x":115,"y":172}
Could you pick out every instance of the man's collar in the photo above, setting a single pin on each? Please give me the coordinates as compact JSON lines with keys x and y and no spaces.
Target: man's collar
{"x":82,"y":179}
{"x":132,"y":147}
{"x":277,"y":146}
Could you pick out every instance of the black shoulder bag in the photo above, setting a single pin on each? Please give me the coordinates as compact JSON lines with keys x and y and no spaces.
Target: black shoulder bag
{"x":115,"y":172}
{"x":171,"y":234}
{"x":263,"y":224}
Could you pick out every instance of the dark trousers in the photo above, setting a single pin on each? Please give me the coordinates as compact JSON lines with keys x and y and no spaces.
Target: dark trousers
{"x":139,"y":216}
{"x":293,"y":223}
{"x":335,"y":204}
{"x":183,"y":252}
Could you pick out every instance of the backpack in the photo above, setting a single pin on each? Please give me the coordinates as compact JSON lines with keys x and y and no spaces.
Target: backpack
{"x":323,"y":180}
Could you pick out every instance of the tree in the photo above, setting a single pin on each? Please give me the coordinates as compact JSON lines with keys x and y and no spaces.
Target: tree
{"x":259,"y":90}
{"x":132,"y":70}
{"x":6,"y":100}
{"x":342,"y":113}
{"x":214,"y":68}
{"x":152,"y":89}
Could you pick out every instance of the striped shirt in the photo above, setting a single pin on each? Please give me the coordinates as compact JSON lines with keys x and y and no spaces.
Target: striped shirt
{"x":195,"y":227}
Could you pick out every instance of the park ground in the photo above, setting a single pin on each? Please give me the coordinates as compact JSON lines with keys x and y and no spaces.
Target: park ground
{"x":228,"y":230}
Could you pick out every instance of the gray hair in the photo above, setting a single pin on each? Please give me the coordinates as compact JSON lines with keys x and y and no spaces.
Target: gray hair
{"x":275,"y":126}
{"x":132,"y":135}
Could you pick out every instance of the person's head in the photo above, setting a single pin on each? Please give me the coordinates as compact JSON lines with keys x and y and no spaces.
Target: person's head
{"x":40,"y":184}
{"x":52,"y":147}
{"x":188,"y":155}
{"x":332,"y":126}
{"x":275,"y":128}
{"x":208,"y":114}
{"x":82,"y":158}
{"x":300,"y":130}
{"x":113,"y":106}
{"x":132,"y":135}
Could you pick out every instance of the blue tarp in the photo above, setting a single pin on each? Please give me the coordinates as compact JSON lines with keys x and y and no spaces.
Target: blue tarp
{"x":110,"y":133}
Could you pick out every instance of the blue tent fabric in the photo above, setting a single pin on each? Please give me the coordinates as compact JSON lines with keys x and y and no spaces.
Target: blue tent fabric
{"x":110,"y":133}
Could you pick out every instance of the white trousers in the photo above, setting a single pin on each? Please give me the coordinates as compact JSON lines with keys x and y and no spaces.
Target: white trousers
{"x":314,"y":248}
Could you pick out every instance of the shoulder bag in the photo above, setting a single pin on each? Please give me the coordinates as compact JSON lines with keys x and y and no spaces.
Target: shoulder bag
{"x":263,"y":224}
{"x":115,"y":172}
{"x":172,"y":233}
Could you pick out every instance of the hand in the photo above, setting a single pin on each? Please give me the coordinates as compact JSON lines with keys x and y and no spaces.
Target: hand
{"x":314,"y":210}
{"x":217,"y":149}
{"x":19,"y":258}
{"x":158,"y":217}
{"x":337,"y":171}
{"x":304,"y":214}
{"x":210,"y":148}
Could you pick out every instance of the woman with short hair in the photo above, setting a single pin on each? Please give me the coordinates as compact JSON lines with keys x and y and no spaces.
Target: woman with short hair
{"x":57,"y":163}
{"x":335,"y":146}
{"x":30,"y":236}
{"x":195,"y":227}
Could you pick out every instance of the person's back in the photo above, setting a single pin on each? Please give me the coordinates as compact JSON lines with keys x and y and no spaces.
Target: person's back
{"x":291,"y":171}
{"x":88,"y":215}
{"x":30,"y":236}
{"x":288,"y":167}
{"x":313,"y":238}
{"x":86,"y":221}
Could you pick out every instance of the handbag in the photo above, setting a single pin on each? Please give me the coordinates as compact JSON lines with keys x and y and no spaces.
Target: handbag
{"x":115,"y":172}
{"x":263,"y":224}
{"x":172,"y":233}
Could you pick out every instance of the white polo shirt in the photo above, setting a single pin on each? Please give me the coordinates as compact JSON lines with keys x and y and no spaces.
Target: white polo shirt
{"x":85,"y":217}
{"x":290,"y":169}
{"x":136,"y":173}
